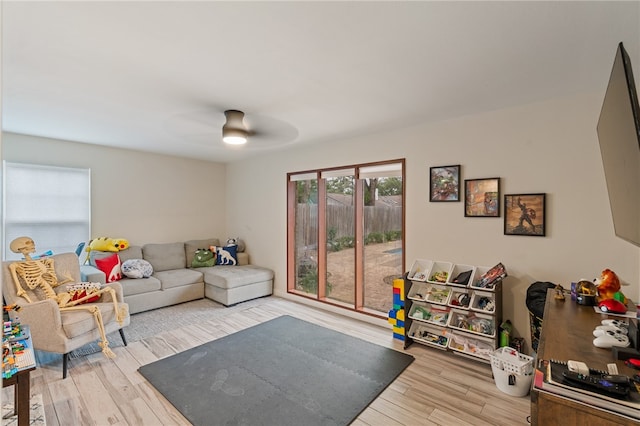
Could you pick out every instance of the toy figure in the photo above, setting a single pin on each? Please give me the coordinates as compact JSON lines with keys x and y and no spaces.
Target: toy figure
{"x":106,"y":244}
{"x":608,"y":284}
{"x":41,"y":274}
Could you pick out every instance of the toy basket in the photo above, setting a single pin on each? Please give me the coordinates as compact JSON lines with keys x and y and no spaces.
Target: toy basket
{"x":512,"y":371}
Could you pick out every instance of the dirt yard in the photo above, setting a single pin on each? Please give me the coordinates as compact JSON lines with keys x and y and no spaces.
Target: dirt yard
{"x":383,"y":264}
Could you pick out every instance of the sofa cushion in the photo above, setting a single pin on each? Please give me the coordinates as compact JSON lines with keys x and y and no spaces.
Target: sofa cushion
{"x":178,"y":277}
{"x":131,"y":286}
{"x":133,"y":252}
{"x":191,"y":246}
{"x":235,"y":276}
{"x":78,"y":322}
{"x":165,"y":256}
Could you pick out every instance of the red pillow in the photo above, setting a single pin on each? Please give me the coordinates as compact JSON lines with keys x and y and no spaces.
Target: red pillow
{"x":79,"y":294}
{"x":111,"y":267}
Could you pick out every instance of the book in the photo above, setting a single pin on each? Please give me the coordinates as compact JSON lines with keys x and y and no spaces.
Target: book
{"x":548,"y":377}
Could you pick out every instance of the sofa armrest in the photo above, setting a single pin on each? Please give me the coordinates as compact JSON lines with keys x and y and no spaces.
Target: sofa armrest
{"x":43,"y":318}
{"x":92,"y":274}
{"x":106,"y":297}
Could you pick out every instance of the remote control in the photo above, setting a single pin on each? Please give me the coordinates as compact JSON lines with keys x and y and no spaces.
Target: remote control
{"x":597,"y":383}
{"x":618,"y":379}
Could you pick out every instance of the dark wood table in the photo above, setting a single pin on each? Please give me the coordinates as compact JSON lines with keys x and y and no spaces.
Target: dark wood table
{"x":22,"y":382}
{"x":567,"y":334}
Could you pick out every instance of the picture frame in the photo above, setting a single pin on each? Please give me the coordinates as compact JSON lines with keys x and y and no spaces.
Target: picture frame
{"x":482,"y":197}
{"x":525,"y":214}
{"x":444,"y":183}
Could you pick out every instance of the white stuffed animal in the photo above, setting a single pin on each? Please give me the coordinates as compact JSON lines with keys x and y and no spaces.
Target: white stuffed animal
{"x":236,"y":241}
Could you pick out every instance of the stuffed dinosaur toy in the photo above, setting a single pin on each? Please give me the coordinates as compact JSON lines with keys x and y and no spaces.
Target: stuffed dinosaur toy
{"x":106,"y":244}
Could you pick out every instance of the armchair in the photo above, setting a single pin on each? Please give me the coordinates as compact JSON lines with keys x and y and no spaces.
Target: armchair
{"x":62,"y":331}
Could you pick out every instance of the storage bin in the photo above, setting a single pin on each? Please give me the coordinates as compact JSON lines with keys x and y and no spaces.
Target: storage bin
{"x":512,"y":371}
{"x":471,"y":322}
{"x":483,"y":302}
{"x":457,"y":277}
{"x":432,"y":314}
{"x":469,"y":346}
{"x":438,"y":294}
{"x":460,"y":299}
{"x":418,"y":291}
{"x":432,"y":336}
{"x":440,"y":272}
{"x":420,"y":270}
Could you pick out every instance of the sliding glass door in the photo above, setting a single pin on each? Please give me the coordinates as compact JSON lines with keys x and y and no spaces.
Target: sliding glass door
{"x":345,"y":235}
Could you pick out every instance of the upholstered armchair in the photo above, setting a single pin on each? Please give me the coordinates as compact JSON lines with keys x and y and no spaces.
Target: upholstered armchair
{"x":59,"y":331}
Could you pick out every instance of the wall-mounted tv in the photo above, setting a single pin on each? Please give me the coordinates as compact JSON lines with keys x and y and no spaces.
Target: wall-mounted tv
{"x":619,"y":135}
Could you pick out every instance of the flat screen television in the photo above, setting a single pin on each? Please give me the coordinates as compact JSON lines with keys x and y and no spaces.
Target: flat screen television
{"x":619,"y":136}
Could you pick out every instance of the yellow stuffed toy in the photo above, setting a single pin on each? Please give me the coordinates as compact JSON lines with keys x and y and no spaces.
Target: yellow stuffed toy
{"x":106,"y":244}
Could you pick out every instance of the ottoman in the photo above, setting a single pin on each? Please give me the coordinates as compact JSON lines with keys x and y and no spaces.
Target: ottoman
{"x":230,"y":285}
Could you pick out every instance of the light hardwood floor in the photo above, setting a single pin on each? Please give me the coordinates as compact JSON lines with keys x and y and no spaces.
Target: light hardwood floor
{"x":438,"y":388}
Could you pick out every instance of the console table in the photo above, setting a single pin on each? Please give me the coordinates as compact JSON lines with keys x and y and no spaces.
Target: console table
{"x":567,"y":334}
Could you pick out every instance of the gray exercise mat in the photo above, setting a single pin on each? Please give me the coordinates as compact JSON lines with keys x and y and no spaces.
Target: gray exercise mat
{"x":282,"y":372}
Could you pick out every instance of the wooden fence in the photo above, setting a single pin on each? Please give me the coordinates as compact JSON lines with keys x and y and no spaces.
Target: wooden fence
{"x":340,"y":219}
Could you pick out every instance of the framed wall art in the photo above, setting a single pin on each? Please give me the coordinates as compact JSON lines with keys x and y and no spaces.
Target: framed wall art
{"x":524,"y":214}
{"x":444,"y":183}
{"x":482,"y":197}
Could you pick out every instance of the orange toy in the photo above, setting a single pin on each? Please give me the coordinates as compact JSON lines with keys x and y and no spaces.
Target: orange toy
{"x":609,"y":284}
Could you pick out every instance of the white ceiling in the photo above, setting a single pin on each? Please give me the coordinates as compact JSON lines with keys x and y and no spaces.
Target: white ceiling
{"x":157,"y":76}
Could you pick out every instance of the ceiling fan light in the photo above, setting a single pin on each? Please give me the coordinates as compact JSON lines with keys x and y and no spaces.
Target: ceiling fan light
{"x":234,"y":132}
{"x":234,"y":136}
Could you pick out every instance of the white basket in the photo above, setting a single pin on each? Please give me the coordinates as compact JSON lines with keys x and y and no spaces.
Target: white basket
{"x":510,"y":360}
{"x":512,"y":371}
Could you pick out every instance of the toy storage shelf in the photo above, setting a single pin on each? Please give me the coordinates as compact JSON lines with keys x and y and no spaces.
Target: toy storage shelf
{"x":450,"y":307}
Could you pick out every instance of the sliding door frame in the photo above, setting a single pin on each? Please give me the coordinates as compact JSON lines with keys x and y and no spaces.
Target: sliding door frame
{"x":359,"y":237}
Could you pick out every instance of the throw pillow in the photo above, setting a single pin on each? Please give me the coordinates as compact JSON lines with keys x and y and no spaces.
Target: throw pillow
{"x":80,"y":290}
{"x":111,"y":267}
{"x":137,"y":268}
{"x":227,"y":255}
{"x":203,"y":257}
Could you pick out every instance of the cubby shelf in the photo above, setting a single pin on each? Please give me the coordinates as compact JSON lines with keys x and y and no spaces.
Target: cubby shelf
{"x":454,"y":307}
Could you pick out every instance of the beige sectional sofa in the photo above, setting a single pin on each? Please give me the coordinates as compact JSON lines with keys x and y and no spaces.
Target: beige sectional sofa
{"x":175,"y":281}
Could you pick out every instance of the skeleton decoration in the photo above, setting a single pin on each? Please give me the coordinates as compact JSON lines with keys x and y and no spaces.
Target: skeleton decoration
{"x":41,"y":274}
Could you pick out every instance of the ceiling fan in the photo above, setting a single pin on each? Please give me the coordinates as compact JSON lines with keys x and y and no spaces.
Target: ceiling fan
{"x":234,"y":131}
{"x":238,"y":130}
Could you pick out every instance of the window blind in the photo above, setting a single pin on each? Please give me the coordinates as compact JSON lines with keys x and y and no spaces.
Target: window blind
{"x":52,"y":205}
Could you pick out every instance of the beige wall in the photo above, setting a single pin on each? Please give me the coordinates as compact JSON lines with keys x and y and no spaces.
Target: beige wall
{"x":549,"y":147}
{"x":143,"y":197}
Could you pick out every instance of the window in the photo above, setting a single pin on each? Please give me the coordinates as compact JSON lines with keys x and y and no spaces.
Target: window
{"x":52,"y":205}
{"x":346,"y":235}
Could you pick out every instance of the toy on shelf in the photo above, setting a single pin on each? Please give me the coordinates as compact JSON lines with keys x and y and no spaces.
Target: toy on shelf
{"x":13,"y":344}
{"x":608,"y":286}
